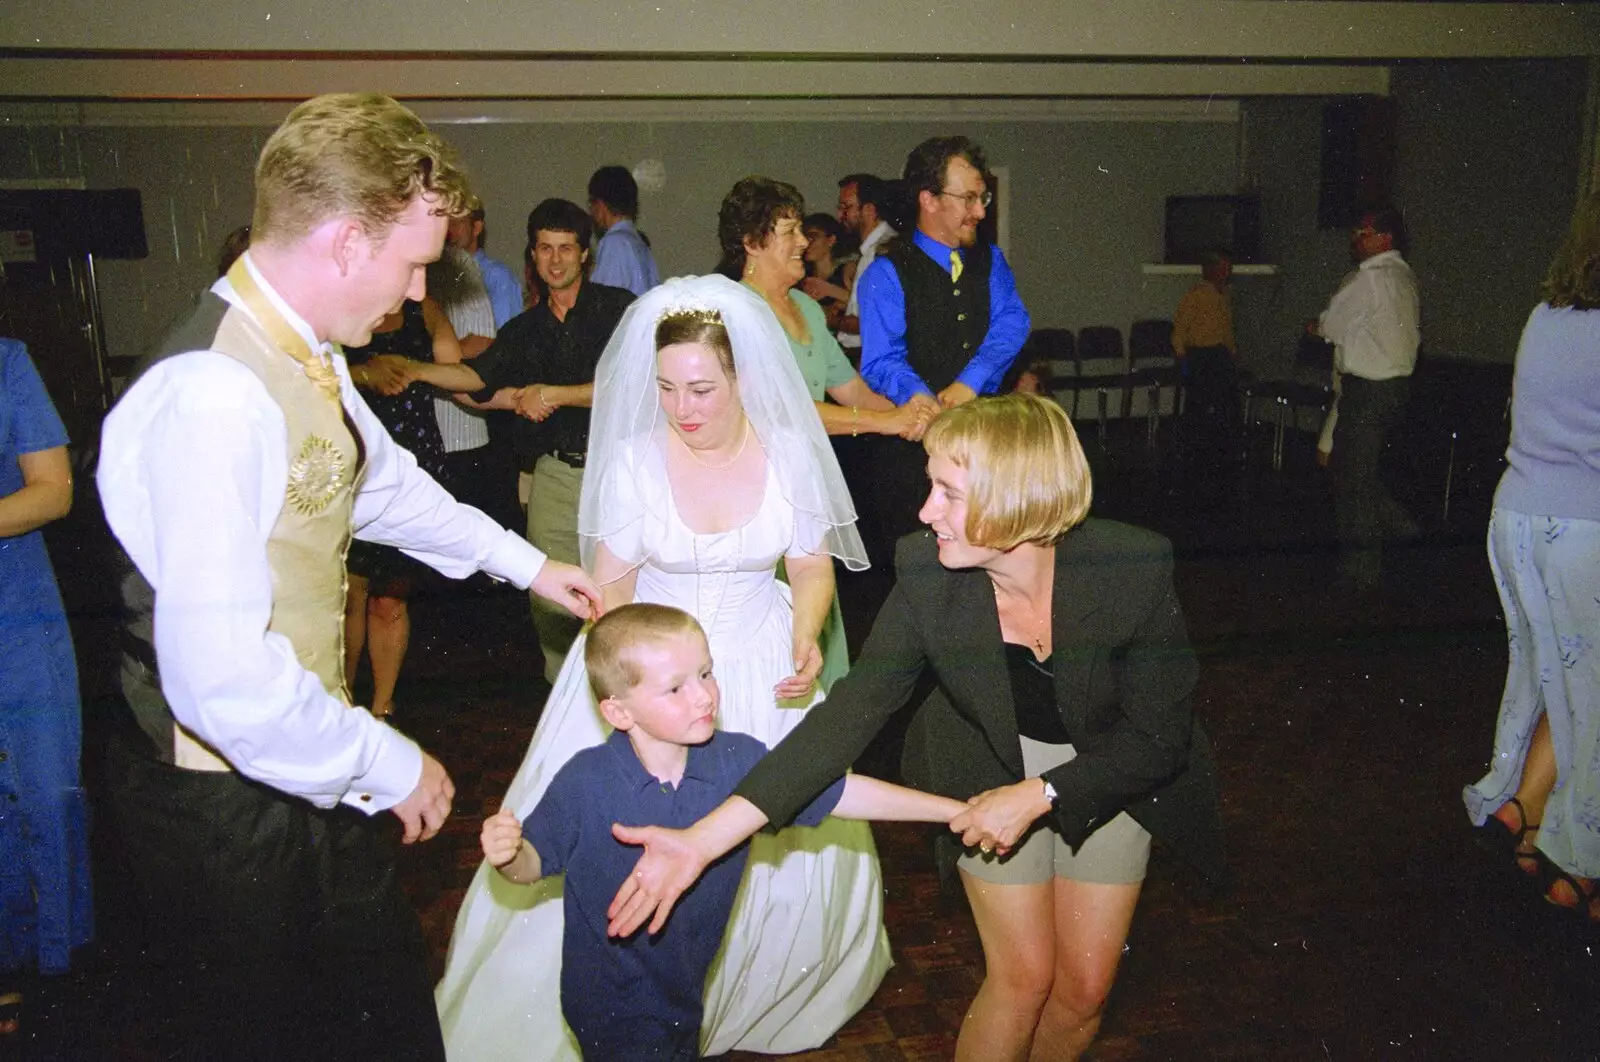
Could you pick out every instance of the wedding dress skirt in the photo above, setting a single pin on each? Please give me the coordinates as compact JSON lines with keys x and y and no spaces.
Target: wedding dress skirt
{"x":805,"y":948}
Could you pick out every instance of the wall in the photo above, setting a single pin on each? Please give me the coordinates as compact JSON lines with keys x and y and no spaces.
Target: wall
{"x":1304,"y":29}
{"x":1489,"y":158}
{"x":1087,"y":196}
{"x":1489,"y":165}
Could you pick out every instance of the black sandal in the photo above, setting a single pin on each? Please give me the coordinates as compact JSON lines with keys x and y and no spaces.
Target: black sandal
{"x":1503,"y":840}
{"x":1584,"y":906}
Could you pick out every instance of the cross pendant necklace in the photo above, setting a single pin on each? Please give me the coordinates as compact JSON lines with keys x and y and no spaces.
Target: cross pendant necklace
{"x":1037,"y":637}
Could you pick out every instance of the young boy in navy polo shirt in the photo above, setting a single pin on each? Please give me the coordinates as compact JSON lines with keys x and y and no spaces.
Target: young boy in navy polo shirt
{"x":666,"y":765}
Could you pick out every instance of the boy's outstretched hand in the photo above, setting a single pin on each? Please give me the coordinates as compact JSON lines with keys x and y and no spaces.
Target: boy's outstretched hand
{"x":501,"y":838}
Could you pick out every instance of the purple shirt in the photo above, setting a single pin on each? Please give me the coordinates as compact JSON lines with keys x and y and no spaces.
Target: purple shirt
{"x":1553,"y":462}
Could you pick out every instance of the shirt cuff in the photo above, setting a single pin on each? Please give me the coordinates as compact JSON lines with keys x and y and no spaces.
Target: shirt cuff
{"x":514,"y":560}
{"x":975,"y":378}
{"x":395,"y":771}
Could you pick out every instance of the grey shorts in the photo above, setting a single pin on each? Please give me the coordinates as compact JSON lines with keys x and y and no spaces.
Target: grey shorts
{"x":1115,"y":854}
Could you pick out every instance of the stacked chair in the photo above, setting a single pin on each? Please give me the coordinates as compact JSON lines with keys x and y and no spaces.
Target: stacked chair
{"x":1288,"y":397}
{"x":1102,"y":370}
{"x":1154,"y":373}
{"x":1059,"y":348}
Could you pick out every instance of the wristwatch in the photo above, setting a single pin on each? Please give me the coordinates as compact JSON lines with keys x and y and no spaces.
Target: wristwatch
{"x":1049,"y":791}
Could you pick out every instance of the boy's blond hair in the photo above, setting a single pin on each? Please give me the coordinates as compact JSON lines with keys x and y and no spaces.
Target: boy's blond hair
{"x":608,"y":657}
{"x":1027,"y":477}
{"x":359,"y":155}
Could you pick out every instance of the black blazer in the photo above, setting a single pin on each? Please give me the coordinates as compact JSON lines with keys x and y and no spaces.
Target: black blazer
{"x":1124,"y":673}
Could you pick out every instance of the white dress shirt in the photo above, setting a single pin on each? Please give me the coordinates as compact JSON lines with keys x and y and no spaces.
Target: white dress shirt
{"x":192,"y":476}
{"x":457,"y":286}
{"x":1372,"y":319}
{"x":869,"y":251}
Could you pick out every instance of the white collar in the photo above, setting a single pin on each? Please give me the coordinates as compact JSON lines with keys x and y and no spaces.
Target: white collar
{"x":1383,"y":258}
{"x":882,"y":231}
{"x":225,"y":290}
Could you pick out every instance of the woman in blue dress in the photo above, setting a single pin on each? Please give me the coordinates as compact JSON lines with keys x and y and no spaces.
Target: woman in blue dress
{"x":44,"y":849}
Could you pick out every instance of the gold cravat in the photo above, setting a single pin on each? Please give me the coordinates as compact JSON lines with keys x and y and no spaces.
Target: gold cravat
{"x":281,"y":332}
{"x":955,"y":266}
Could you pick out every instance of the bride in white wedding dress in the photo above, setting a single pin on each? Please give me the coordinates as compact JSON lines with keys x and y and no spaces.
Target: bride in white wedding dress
{"x":707,"y":466}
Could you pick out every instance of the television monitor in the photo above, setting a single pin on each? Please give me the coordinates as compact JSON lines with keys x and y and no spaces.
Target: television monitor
{"x":1200,"y":223}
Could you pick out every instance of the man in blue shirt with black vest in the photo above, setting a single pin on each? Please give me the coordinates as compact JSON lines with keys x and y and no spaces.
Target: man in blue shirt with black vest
{"x":941,"y":320}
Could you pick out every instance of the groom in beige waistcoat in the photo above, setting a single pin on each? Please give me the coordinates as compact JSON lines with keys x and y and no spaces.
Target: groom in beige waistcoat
{"x":249,"y":793}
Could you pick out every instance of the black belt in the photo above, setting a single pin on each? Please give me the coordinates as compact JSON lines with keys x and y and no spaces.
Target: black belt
{"x":570,"y":457}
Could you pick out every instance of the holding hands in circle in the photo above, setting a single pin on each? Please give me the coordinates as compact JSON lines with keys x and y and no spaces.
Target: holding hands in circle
{"x":386,"y":374}
{"x":533,"y":402}
{"x":997,"y":818}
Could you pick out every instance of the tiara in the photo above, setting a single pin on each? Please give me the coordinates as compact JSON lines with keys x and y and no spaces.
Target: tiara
{"x":692,"y":312}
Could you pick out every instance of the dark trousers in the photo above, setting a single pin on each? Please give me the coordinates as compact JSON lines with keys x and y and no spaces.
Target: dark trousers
{"x":855,"y":454}
{"x":1368,"y":409}
{"x":1211,"y":398}
{"x":900,"y":487}
{"x":276,"y":930}
{"x":485,"y":479}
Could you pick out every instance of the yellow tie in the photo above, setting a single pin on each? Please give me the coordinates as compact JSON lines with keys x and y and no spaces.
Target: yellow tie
{"x":281,"y":332}
{"x":955,"y":266}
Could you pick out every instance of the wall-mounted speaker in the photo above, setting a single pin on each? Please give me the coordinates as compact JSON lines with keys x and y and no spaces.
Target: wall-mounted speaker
{"x":108,"y":223}
{"x":1358,"y":150}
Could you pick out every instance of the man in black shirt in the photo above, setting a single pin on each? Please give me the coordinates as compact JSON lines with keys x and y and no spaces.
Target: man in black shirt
{"x":542,"y":364}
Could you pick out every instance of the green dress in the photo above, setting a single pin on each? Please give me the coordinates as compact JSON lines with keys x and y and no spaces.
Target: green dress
{"x":822,"y":365}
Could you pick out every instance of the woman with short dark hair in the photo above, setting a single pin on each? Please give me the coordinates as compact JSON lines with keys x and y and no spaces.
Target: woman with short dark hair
{"x":760,"y":229}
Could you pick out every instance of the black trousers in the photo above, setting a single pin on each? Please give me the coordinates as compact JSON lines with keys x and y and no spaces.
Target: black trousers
{"x":1368,"y":409}
{"x":486,"y":479}
{"x":900,"y":487}
{"x":1211,"y":404}
{"x":276,"y":930}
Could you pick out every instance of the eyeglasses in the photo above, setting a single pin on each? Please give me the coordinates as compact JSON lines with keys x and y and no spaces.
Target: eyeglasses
{"x":972,"y":199}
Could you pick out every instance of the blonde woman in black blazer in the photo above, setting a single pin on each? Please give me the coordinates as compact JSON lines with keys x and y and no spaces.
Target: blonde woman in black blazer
{"x":1060,"y":713}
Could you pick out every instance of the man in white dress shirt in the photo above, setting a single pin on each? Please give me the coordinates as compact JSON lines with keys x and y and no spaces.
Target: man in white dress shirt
{"x":1373,"y":322}
{"x":247,"y":790}
{"x":863,"y":203}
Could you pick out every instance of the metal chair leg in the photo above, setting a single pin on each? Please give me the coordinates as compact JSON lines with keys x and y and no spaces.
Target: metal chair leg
{"x":1277,"y":436}
{"x":1449,"y":476}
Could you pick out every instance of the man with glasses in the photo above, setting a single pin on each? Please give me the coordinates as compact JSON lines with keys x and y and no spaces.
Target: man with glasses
{"x":941,"y":320}
{"x":863,"y":209}
{"x":1372,"y":322}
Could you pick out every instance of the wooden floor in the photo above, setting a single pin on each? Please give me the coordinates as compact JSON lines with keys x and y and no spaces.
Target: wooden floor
{"x":1365,"y":924}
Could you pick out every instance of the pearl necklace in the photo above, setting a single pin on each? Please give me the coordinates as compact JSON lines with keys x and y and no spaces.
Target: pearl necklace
{"x":745,"y":439}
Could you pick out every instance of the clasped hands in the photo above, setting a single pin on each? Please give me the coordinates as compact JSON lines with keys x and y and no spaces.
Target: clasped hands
{"x":387,"y":374}
{"x":922,"y":407}
{"x":533,"y":402}
{"x":673,"y":860}
{"x":996,"y":819}
{"x":916,"y":415}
